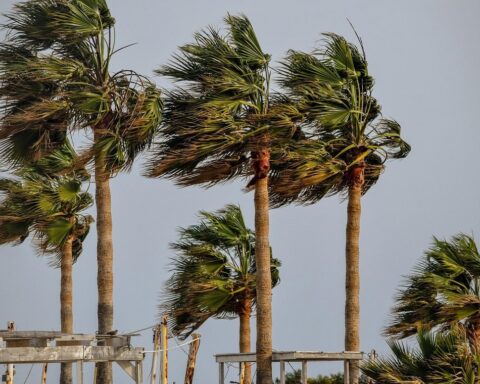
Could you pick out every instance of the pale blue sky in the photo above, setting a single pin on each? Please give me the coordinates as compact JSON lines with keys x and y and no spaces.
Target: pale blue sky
{"x":424,"y":56}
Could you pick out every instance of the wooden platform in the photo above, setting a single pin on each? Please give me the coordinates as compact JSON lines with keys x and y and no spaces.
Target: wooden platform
{"x":288,"y":356}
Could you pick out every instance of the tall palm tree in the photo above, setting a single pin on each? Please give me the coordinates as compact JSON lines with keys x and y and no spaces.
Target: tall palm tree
{"x":50,"y":207}
{"x":55,"y":77}
{"x":443,"y":292}
{"x":221,"y":123}
{"x":439,"y":357}
{"x":213,"y":275}
{"x":340,"y":147}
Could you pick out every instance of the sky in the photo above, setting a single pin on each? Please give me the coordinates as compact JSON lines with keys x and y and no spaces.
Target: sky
{"x":425,"y":58}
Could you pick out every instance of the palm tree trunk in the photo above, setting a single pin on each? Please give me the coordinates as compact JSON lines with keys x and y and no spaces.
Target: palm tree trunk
{"x":352,"y":276}
{"x":245,"y":338}
{"x":263,"y":284}
{"x":104,"y":260}
{"x":66,"y":303}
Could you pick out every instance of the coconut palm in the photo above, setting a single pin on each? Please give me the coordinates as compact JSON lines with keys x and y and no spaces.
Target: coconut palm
{"x":49,"y":206}
{"x":221,"y":123}
{"x":213,"y":275}
{"x":438,"y":357}
{"x":340,"y":146}
{"x":443,"y":291}
{"x":55,"y":77}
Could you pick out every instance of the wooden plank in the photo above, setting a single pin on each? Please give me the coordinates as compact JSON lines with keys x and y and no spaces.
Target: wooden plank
{"x":156,"y":345}
{"x":29,"y":334}
{"x":106,"y":353}
{"x":139,"y":372}
{"x":44,"y":373}
{"x":68,"y":354}
{"x":291,"y":356}
{"x":79,"y":372}
{"x":346,"y":372}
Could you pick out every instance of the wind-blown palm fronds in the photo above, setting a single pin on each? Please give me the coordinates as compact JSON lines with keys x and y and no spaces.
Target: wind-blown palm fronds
{"x":213,"y":273}
{"x":55,"y":77}
{"x":221,"y":122}
{"x":443,"y":291}
{"x":339,"y":123}
{"x":438,"y":357}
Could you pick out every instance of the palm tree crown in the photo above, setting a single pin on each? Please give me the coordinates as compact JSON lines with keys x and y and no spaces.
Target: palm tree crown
{"x":339,"y":137}
{"x":46,"y":205}
{"x":54,"y":76}
{"x":213,"y":274}
{"x":443,"y":291}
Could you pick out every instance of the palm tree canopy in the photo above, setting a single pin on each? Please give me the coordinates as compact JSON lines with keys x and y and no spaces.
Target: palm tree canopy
{"x":440,"y":357}
{"x":222,"y":109}
{"x":47,"y":205}
{"x":213,"y":272}
{"x":338,"y":124}
{"x":443,"y":290}
{"x":54,"y":77}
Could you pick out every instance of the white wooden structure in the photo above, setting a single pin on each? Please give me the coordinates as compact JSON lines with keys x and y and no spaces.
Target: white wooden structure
{"x":289,"y":356}
{"x":28,"y":347}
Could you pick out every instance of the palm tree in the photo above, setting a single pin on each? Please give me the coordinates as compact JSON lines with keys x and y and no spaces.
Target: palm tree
{"x":443,"y":292}
{"x":340,"y":147}
{"x":213,"y":275}
{"x":220,"y":124}
{"x":54,"y":78}
{"x":440,"y":357}
{"x":49,"y":206}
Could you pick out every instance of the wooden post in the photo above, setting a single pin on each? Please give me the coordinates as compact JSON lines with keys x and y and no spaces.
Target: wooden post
{"x":10,"y":367}
{"x":156,"y":343}
{"x":346,"y":372}
{"x":164,"y":368}
{"x":79,"y":372}
{"x":192,"y":357}
{"x":304,"y":372}
{"x":138,"y":372}
{"x":44,"y":373}
{"x":241,"y":379}
{"x":282,"y":372}
{"x":221,"y":373}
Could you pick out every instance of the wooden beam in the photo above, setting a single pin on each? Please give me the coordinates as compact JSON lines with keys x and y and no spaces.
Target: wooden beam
{"x":79,"y":372}
{"x":282,"y":372}
{"x":128,"y":368}
{"x":26,"y":355}
{"x":291,"y":356}
{"x":221,"y":373}
{"x":164,"y":365}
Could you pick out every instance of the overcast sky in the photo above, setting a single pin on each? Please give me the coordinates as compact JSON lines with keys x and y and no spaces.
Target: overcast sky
{"x":424,"y":55}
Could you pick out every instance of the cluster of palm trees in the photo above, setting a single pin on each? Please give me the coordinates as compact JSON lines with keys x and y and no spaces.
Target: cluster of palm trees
{"x":321,"y":134}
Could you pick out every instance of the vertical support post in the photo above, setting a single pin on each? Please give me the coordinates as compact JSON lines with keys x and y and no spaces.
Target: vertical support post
{"x":156,"y":343}
{"x":346,"y":372}
{"x":241,"y":378}
{"x":80,"y":372}
{"x":221,"y":373}
{"x":164,"y":331}
{"x":44,"y":373}
{"x":138,"y":372}
{"x":192,"y":357}
{"x":10,"y":367}
{"x":304,"y":372}
{"x":282,"y":372}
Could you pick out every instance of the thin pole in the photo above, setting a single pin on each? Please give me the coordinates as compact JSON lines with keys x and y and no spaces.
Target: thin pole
{"x":282,"y":372}
{"x":156,"y":342}
{"x":44,"y":373}
{"x":304,"y":372}
{"x":164,"y":332}
{"x":192,"y":357}
{"x":10,"y":367}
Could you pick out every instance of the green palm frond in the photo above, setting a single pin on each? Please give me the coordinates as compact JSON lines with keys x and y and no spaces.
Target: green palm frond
{"x":213,"y":273}
{"x":46,"y":201}
{"x":440,"y":357}
{"x":54,"y":76}
{"x":443,"y":291}
{"x":339,"y":121}
{"x":221,"y":109}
